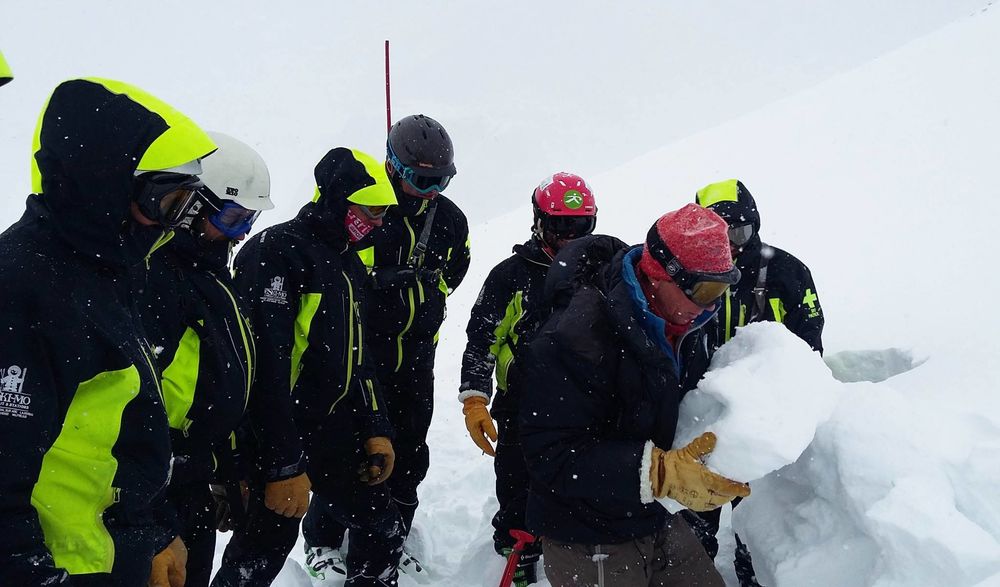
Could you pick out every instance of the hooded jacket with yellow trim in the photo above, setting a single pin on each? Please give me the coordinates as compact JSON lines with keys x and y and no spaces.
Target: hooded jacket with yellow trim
{"x":197,"y":323}
{"x":789,"y":294}
{"x":304,"y":285}
{"x":84,"y":442}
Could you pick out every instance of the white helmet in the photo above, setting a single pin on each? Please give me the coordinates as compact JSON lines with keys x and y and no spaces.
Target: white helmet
{"x":237,"y":173}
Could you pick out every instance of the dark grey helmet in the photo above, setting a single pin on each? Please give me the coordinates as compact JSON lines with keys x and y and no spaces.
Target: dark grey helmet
{"x":422,"y":144}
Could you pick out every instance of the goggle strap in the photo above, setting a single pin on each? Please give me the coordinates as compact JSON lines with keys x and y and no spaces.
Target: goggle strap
{"x":681,"y":276}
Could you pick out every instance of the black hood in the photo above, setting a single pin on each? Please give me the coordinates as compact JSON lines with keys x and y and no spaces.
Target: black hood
{"x":732,"y":201}
{"x":345,"y":176}
{"x":91,"y":137}
{"x":583,"y":261}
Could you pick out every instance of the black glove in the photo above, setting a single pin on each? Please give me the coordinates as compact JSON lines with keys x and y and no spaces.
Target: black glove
{"x":223,"y":511}
{"x":402,"y":276}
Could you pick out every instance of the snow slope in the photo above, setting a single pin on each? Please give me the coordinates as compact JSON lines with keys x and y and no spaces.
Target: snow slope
{"x":881,"y":179}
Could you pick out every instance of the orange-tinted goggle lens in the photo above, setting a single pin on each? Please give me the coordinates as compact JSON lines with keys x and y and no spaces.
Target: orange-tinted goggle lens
{"x":706,"y":293}
{"x":374,"y":212}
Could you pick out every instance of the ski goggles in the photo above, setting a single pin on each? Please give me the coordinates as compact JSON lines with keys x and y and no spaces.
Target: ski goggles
{"x":570,"y":226}
{"x":423,"y":184}
{"x":233,"y":220}
{"x":740,"y":235}
{"x":373,"y":212}
{"x":700,"y":287}
{"x":166,"y":197}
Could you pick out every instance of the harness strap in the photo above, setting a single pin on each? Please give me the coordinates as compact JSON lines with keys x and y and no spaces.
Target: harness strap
{"x":759,"y":295}
{"x":417,"y":257}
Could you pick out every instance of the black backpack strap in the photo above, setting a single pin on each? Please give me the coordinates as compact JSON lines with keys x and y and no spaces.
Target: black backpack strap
{"x":417,"y":258}
{"x":759,"y":290}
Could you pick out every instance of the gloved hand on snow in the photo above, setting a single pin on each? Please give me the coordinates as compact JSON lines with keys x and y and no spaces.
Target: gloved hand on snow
{"x":479,"y":423}
{"x":681,"y":475}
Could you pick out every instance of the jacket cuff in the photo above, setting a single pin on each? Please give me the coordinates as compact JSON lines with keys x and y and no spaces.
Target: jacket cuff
{"x":379,"y":425}
{"x":287,"y":471}
{"x":645,"y":483}
{"x":472,"y":393}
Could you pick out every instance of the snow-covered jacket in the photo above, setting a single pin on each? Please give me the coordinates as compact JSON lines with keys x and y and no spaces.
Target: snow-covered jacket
{"x":599,"y":381}
{"x":498,"y":321}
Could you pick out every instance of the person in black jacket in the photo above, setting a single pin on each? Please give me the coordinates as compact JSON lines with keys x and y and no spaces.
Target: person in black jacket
{"x":197,"y":321}
{"x":418,"y":257}
{"x":84,"y":438}
{"x":564,"y":209}
{"x":774,"y":287}
{"x":603,"y":378}
{"x":316,"y":410}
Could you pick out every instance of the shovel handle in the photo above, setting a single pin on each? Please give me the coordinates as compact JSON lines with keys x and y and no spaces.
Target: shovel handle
{"x":522,"y":538}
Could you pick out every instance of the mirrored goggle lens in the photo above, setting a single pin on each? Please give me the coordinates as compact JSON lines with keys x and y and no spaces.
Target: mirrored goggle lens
{"x":571,"y":226}
{"x":705,"y":293}
{"x":234,"y":220}
{"x":424,"y":184}
{"x":174,"y":206}
{"x":740,"y":235}
{"x":374,"y":212}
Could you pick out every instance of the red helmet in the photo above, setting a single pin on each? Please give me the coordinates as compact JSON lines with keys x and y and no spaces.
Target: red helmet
{"x":564,"y":209}
{"x":564,"y":194}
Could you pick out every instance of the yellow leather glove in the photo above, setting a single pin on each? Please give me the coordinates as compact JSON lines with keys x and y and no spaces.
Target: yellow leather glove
{"x":680,"y":475}
{"x":170,"y":566}
{"x":479,"y":423}
{"x":381,"y":459}
{"x":288,"y":497}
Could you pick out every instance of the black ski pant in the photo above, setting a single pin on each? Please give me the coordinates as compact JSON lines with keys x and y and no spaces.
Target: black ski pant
{"x":376,"y":531}
{"x":195,"y":508}
{"x":409,"y":395}
{"x":257,"y":551}
{"x":512,"y":481}
{"x":706,"y":526}
{"x":342,"y":501}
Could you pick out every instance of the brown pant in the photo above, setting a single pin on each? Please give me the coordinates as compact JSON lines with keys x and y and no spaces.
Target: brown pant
{"x":672,"y":557}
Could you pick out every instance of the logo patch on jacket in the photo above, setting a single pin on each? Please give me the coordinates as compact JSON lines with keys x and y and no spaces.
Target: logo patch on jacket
{"x":275,"y":294}
{"x":13,"y":401}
